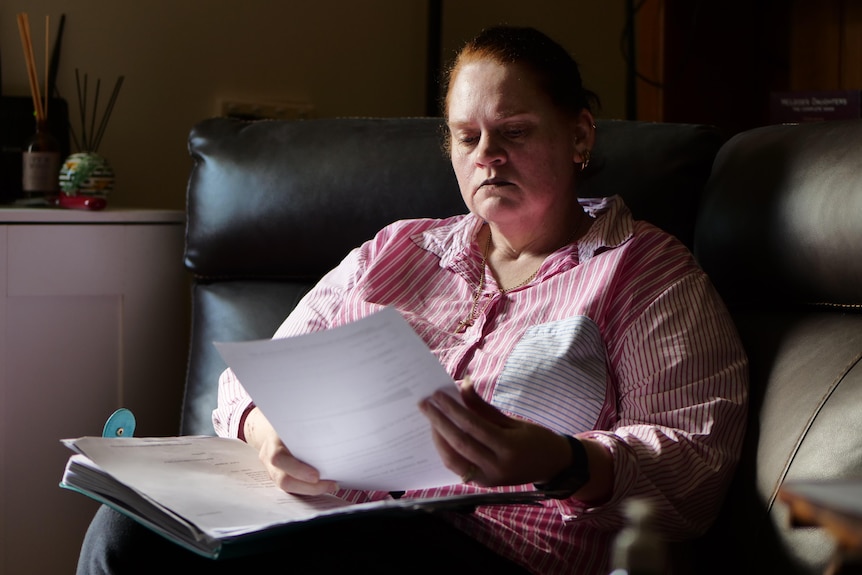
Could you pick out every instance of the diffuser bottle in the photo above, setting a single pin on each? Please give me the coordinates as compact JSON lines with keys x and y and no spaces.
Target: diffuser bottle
{"x":41,"y":165}
{"x":638,"y":549}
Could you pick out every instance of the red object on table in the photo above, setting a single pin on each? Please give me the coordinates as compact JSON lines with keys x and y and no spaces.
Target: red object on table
{"x":81,"y":202}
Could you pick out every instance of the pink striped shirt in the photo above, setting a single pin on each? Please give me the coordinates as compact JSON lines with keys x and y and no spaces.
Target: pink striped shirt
{"x":619,"y":337}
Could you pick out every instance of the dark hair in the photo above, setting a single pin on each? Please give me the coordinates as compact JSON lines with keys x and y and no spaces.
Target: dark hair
{"x":555,"y":69}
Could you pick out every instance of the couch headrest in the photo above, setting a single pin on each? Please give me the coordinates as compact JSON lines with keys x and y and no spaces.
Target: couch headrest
{"x":305,"y":192}
{"x":781,"y":219}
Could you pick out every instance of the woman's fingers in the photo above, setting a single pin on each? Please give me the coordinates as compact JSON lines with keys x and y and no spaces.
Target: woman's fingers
{"x":289,"y":473}
{"x":454,"y":460}
{"x":473,"y":424}
{"x":291,"y":484}
{"x":458,"y":439}
{"x":292,"y":475}
{"x":484,"y":446}
{"x":481,"y":407}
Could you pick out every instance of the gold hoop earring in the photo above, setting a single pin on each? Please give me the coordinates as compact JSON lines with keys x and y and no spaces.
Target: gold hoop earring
{"x":586,"y":159}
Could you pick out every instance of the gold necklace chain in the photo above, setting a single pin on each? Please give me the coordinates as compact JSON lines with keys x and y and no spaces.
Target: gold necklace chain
{"x":501,"y":291}
{"x":471,"y":317}
{"x":477,"y":293}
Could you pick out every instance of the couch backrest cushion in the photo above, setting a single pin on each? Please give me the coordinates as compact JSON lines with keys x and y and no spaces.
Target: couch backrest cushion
{"x":289,"y":199}
{"x":273,"y":205}
{"x":781,"y":218}
{"x":228,"y":311}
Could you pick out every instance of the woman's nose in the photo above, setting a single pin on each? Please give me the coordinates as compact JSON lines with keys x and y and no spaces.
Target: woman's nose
{"x":490,"y":151}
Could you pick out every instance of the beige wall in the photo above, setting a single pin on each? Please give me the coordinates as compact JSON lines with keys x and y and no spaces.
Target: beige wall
{"x":590,"y":30}
{"x":180,"y":58}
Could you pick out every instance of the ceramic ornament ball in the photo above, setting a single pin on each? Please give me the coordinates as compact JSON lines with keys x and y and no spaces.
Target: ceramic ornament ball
{"x":87,"y":174}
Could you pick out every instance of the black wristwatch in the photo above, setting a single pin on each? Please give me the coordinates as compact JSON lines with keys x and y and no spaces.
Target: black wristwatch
{"x":570,"y":479}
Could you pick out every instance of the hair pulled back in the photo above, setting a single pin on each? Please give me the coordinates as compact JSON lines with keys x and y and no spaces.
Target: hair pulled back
{"x":556,"y":71}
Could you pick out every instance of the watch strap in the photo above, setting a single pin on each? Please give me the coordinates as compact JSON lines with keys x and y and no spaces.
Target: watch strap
{"x":571,"y":478}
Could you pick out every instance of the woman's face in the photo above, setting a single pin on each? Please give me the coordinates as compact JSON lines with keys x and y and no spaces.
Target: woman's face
{"x":514,"y":153}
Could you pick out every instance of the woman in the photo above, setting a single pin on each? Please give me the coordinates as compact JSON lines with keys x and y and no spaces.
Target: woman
{"x":594,"y":358}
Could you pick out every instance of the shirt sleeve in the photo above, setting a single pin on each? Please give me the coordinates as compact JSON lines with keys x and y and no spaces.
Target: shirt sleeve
{"x":233,"y":403}
{"x":682,"y":384}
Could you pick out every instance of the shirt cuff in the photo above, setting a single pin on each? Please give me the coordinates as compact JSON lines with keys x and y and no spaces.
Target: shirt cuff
{"x":237,"y":428}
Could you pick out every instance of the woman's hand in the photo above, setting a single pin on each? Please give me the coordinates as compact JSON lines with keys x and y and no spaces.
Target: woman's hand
{"x":288,"y":472}
{"x":486,"y":447}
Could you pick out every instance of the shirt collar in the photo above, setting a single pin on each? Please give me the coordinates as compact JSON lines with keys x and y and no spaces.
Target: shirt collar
{"x":613,"y":226}
{"x":451,"y":241}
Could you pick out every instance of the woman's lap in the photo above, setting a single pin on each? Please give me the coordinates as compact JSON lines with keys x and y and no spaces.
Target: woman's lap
{"x":415,"y":543}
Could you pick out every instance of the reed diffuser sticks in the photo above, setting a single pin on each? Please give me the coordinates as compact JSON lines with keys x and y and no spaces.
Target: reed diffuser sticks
{"x":40,"y":108}
{"x":91,"y":139}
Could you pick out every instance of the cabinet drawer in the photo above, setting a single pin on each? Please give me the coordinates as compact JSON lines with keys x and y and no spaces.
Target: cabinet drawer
{"x":65,"y":260}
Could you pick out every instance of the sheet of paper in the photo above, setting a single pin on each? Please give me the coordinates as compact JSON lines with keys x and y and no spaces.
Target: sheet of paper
{"x":345,"y":400}
{"x":218,"y":484}
{"x":842,"y":495}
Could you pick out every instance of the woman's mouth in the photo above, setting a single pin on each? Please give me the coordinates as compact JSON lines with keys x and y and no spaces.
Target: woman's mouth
{"x":495,"y":182}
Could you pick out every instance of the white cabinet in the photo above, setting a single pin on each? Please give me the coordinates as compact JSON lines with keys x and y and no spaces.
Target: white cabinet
{"x":94,"y":316}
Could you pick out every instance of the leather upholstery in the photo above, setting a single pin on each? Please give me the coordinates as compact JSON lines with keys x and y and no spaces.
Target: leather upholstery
{"x":311,"y":190}
{"x":781,"y":216}
{"x":780,"y":234}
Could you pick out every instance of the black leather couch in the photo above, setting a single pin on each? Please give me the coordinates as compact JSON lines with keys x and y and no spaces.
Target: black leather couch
{"x":774,"y":215}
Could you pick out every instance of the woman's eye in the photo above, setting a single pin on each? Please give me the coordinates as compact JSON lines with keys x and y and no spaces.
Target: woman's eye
{"x":514,"y":133}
